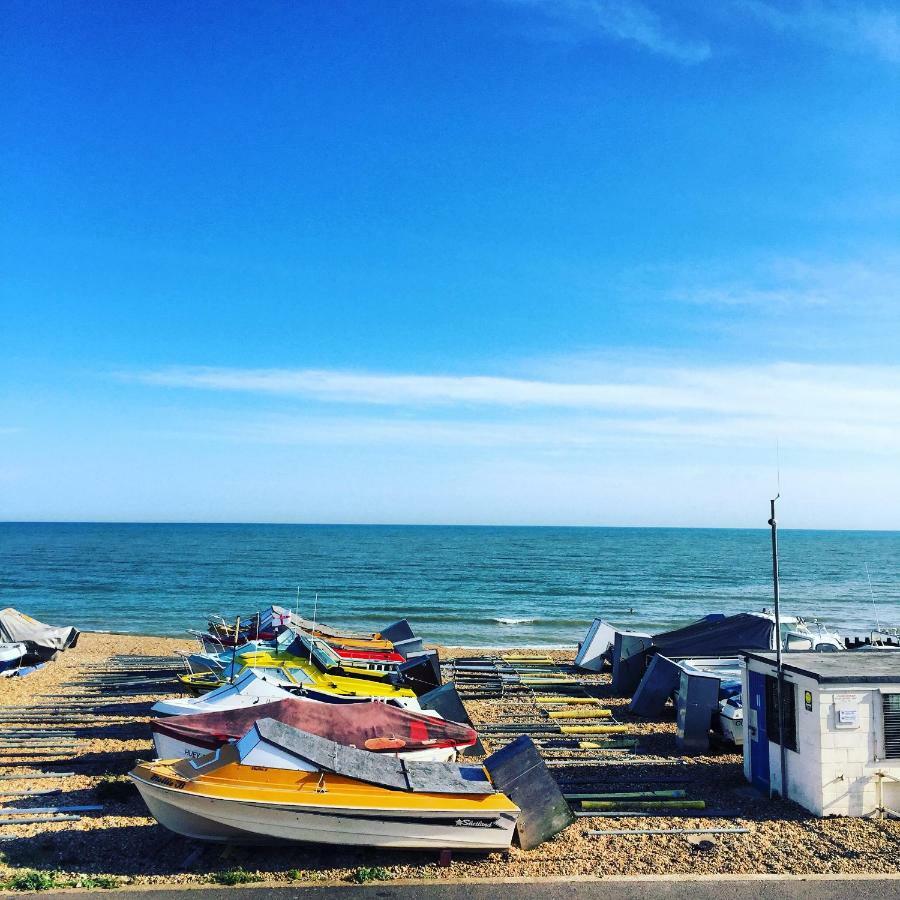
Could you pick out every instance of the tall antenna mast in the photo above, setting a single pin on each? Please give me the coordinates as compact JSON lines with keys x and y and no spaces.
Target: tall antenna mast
{"x":872,"y":595}
{"x":780,"y":678}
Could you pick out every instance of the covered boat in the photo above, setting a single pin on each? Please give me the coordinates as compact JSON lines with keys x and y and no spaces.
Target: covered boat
{"x":368,"y":726}
{"x":279,"y":784}
{"x":42,"y":642}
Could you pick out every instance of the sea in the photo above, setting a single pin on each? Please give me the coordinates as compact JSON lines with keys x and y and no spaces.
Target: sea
{"x":461,"y":586}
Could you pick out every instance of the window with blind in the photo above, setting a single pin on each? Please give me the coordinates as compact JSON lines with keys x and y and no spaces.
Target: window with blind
{"x":789,"y":698}
{"x":891,"y":704}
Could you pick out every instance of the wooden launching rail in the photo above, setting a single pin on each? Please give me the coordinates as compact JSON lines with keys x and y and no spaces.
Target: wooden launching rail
{"x":571,"y":728}
{"x":50,"y":730}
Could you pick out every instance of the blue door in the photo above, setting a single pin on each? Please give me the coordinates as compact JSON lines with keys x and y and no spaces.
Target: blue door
{"x":756,"y":731}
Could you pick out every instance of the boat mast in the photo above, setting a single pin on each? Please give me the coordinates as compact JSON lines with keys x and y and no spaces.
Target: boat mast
{"x":780,"y":671}
{"x":312,"y":637}
{"x":872,"y":595}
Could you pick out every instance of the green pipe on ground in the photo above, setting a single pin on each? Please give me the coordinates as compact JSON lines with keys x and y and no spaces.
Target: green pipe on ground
{"x":593,"y":729}
{"x":643,"y":804}
{"x":630,"y":795}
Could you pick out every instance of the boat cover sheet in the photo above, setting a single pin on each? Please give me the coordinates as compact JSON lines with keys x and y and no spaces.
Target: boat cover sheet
{"x":713,"y":636}
{"x":297,"y":621}
{"x":40,"y":640}
{"x":374,"y":768}
{"x":368,"y":725}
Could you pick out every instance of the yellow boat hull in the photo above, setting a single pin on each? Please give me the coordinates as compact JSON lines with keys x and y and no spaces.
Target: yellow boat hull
{"x":254,"y":804}
{"x":300,"y":672}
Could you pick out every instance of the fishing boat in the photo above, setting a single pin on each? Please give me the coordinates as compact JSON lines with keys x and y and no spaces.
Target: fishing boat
{"x":294,"y":648}
{"x":257,"y":626}
{"x":274,"y":620}
{"x":278,"y":784}
{"x":296,"y":671}
{"x":11,"y":656}
{"x":215,"y":645}
{"x":254,"y":686}
{"x":369,"y":725}
{"x":218,"y":659}
{"x":344,"y":659}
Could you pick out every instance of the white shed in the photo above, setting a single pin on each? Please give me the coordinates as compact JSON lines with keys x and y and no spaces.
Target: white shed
{"x":841,"y":725}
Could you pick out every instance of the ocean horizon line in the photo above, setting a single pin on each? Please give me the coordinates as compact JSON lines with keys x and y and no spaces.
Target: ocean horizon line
{"x":473,"y":525}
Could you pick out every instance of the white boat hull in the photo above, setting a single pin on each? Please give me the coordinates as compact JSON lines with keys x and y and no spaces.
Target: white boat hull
{"x":11,"y":656}
{"x":185,"y":706}
{"x":218,"y":819}
{"x":731,"y":724}
{"x":249,"y":689}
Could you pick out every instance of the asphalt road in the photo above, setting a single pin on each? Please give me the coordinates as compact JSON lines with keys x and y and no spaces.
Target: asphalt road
{"x":609,"y":889}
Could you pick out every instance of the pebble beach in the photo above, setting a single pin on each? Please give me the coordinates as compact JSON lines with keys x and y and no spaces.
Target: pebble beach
{"x":93,"y":738}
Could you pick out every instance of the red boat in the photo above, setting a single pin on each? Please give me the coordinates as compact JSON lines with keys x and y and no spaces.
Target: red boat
{"x":368,"y":726}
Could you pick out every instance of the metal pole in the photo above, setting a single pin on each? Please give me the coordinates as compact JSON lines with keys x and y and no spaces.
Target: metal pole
{"x":780,"y":675}
{"x":237,"y":631}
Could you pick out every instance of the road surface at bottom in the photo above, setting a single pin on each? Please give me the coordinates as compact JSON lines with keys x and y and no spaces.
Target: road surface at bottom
{"x":775,"y":888}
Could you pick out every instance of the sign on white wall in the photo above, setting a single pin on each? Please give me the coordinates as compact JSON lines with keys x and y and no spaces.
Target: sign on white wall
{"x":846,"y":710}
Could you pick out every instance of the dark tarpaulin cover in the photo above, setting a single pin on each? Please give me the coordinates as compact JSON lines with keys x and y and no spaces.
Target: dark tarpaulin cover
{"x":519,"y":771}
{"x":397,"y":631}
{"x":422,"y":672}
{"x":368,"y":726}
{"x":41,"y":641}
{"x":725,"y":636}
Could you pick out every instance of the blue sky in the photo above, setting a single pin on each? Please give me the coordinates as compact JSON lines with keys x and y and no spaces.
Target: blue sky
{"x":502,"y":261}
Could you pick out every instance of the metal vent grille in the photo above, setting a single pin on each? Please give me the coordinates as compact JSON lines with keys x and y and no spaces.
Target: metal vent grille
{"x":891,"y":726}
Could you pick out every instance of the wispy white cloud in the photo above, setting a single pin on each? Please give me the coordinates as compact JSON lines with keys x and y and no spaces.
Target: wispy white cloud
{"x":846,"y":25}
{"x":865,"y":285}
{"x":417,"y":389}
{"x":814,"y":406}
{"x":628,"y":21}
{"x":556,"y":435}
{"x":842,"y":24}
